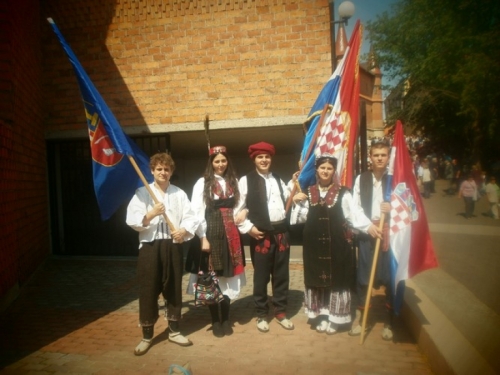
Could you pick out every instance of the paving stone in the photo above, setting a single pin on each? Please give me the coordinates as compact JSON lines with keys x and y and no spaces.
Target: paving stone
{"x":80,"y":316}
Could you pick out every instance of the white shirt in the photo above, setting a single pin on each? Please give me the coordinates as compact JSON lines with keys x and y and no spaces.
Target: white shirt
{"x":426,"y":175}
{"x":354,"y":214}
{"x":377,"y":198}
{"x":492,"y":192}
{"x":275,"y":205}
{"x":177,"y":208}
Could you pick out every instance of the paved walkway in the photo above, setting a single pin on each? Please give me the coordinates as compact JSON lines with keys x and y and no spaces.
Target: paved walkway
{"x":79,"y":316}
{"x":463,"y":290}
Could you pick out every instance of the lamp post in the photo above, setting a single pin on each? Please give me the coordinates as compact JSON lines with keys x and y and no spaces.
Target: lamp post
{"x":346,"y":11}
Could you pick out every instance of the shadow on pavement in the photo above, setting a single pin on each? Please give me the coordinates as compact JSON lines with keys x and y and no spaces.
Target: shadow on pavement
{"x":63,"y":296}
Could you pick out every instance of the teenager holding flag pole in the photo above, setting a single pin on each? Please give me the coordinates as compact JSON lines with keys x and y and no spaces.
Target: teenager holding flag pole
{"x":368,"y":194}
{"x":410,"y":246}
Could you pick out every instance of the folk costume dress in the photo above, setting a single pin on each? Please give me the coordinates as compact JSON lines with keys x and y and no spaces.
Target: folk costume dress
{"x":226,"y":249}
{"x":328,"y":253}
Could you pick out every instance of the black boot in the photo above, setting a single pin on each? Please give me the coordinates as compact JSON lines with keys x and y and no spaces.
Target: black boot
{"x":225,"y":306}
{"x":216,"y":326}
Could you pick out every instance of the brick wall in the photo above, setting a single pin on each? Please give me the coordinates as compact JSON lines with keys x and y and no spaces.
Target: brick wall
{"x":23,"y":185}
{"x":170,"y":62}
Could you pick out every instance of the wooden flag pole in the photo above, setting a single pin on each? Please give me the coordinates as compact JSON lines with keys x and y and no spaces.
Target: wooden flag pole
{"x":146,"y":184}
{"x":370,"y":284}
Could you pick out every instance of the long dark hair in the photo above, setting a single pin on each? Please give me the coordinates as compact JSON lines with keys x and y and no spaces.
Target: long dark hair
{"x":210,"y":181}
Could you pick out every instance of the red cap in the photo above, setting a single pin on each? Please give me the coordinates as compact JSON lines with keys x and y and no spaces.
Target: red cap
{"x":260,"y":148}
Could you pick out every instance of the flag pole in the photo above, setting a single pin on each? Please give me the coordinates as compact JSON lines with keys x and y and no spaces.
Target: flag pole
{"x":146,"y":184}
{"x":370,"y":284}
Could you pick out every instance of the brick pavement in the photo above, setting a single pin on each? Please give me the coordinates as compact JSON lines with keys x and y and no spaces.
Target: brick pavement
{"x":79,"y":316}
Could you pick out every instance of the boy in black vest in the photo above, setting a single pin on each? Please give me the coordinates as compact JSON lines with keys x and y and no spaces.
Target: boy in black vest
{"x":263,"y":196}
{"x":368,"y":192}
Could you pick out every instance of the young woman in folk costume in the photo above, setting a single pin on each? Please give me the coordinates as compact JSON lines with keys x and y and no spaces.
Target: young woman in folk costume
{"x":329,"y":258}
{"x":214,"y":197}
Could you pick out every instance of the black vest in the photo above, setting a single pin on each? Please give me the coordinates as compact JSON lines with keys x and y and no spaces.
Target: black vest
{"x":366,"y":191}
{"x":256,"y":201}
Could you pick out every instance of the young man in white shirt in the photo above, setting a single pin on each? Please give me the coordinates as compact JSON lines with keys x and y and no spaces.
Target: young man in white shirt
{"x":368,"y":193}
{"x":162,"y":228}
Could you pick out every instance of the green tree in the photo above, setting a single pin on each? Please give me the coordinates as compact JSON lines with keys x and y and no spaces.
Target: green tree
{"x":449,"y":52}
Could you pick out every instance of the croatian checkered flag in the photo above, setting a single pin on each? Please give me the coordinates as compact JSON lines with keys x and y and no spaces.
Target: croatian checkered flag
{"x":409,"y":237}
{"x":337,"y":132}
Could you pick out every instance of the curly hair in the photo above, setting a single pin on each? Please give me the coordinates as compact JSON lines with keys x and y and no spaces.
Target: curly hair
{"x":210,"y":181}
{"x":162,"y":158}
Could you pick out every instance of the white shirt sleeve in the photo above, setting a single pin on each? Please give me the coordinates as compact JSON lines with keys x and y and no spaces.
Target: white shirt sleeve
{"x":180,"y":210}
{"x":137,"y":208}
{"x":246,"y":225}
{"x":298,"y":213}
{"x":287,"y":189}
{"x":198,"y":206}
{"x":354,"y":213}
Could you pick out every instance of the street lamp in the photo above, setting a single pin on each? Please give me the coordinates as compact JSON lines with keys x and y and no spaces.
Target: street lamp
{"x":346,"y":11}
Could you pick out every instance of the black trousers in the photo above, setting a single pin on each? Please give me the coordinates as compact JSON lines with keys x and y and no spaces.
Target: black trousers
{"x":159,"y":270}
{"x":469,"y":206}
{"x":271,"y":266}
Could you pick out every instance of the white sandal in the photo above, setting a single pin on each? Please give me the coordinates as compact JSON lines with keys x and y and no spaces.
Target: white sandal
{"x":179,"y":339}
{"x":322,"y":326}
{"x":332,"y":329}
{"x":143,"y":347}
{"x":286,"y":324}
{"x":387,"y":334}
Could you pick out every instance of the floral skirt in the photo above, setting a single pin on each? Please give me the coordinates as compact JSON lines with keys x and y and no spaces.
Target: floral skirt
{"x":336,"y":305}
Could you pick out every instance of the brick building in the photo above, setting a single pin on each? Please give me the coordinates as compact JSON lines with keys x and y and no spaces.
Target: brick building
{"x":255,"y":66}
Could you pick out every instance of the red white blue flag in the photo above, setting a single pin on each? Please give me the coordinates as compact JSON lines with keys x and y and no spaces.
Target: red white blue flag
{"x":115,"y":179}
{"x":410,"y":241}
{"x":338,"y":133}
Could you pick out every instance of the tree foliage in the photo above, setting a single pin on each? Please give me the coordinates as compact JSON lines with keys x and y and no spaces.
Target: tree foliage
{"x":449,"y":52}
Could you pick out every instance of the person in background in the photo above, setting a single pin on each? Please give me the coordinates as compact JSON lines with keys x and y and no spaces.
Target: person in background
{"x":468,"y":191}
{"x":426,"y":176}
{"x":492,"y":192}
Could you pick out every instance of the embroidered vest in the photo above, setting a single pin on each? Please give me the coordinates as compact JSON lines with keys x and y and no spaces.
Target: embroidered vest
{"x":256,"y":201}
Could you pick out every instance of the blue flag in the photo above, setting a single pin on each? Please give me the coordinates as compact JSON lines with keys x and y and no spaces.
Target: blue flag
{"x":115,"y":179}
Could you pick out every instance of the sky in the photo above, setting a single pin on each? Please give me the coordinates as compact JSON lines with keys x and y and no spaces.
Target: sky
{"x":365,"y":10}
